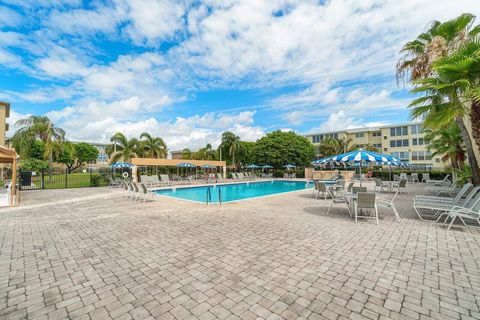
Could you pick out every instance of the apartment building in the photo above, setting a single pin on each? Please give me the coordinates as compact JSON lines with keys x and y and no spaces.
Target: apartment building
{"x":4,"y":114}
{"x":102,"y":158}
{"x":404,"y":141}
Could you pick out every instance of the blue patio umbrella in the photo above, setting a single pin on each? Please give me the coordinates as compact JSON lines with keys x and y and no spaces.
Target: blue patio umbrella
{"x":207,"y":166}
{"x":252,"y":166}
{"x":186,"y":165}
{"x":118,"y":165}
{"x":363,"y":156}
{"x":267,"y":166}
{"x":290,"y":166}
{"x":391,"y":164}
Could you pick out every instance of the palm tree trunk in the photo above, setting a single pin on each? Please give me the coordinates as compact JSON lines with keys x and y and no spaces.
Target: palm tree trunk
{"x":475,"y":120}
{"x":469,"y":150}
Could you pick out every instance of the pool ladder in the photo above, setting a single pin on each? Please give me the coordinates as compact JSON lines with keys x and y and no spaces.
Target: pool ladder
{"x":209,"y":196}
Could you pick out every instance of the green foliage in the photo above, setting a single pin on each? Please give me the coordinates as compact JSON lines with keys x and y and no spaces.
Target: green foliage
{"x":230,"y":148}
{"x":37,"y":150}
{"x":75,"y":155}
{"x":33,"y":165}
{"x":329,"y":146}
{"x":186,"y":154}
{"x":279,"y":148}
{"x":464,"y":175}
{"x":447,"y":142}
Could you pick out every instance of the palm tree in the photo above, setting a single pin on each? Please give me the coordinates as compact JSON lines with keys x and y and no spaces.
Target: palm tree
{"x":330,"y":146}
{"x":154,"y":147}
{"x":448,"y":142}
{"x":370,"y":147}
{"x":448,"y":93}
{"x":186,"y":154}
{"x":230,"y":147}
{"x":38,"y":127}
{"x":124,"y":149}
{"x":437,"y":42}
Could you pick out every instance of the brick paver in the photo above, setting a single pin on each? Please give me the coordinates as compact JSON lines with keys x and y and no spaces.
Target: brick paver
{"x":278,"y":257}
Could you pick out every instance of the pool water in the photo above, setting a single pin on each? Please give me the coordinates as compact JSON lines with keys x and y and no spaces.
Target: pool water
{"x":233,"y":192}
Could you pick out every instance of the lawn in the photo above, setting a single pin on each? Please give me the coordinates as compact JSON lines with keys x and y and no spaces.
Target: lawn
{"x":72,"y":180}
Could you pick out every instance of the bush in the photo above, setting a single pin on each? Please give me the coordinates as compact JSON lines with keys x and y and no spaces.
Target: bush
{"x":33,"y":165}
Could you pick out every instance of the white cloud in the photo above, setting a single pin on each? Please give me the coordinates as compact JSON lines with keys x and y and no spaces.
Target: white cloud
{"x":9,"y":18}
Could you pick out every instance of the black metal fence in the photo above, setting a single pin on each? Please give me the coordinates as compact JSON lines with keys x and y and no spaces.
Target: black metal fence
{"x":62,"y":179}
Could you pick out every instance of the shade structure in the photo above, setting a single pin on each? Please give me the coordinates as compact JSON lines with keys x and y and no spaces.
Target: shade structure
{"x":252,"y":166}
{"x":186,"y":165}
{"x":324,"y":161}
{"x":363,"y":156}
{"x":118,"y":165}
{"x":290,"y":166}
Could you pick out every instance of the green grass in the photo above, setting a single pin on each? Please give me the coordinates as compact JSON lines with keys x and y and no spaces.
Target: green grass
{"x":73,"y":180}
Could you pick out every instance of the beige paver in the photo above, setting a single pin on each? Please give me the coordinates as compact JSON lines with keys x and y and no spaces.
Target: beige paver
{"x":97,"y":255}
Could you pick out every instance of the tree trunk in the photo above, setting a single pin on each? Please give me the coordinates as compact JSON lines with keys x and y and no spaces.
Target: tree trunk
{"x":469,"y":150}
{"x":50,"y":166}
{"x":475,"y":120}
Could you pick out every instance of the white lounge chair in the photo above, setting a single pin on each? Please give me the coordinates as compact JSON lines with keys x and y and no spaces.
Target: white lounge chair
{"x":472,"y":213}
{"x":463,"y":191}
{"x":321,"y":187}
{"x":425,"y":177}
{"x":165,"y":179}
{"x":437,"y":209}
{"x":415,"y":177}
{"x":338,"y":198}
{"x":145,"y":192}
{"x":389,"y":203}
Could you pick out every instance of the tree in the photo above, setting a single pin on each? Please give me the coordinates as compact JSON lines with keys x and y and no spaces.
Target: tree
{"x":448,"y":142}
{"x":186,"y":154}
{"x":447,"y":94}
{"x":73,"y":156}
{"x":205,"y":153}
{"x":38,"y":128}
{"x":248,"y":155}
{"x":153,"y":147}
{"x":230,"y":148}
{"x":126,"y":149}
{"x":279,"y":148}
{"x":330,"y":146}
{"x":370,"y":147}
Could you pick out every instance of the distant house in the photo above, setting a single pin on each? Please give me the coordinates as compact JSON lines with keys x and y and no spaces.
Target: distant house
{"x":176,"y":154}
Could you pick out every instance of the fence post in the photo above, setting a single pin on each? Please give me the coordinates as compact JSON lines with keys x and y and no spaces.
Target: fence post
{"x":42,"y":182}
{"x":66,"y":178}
{"x":90,"y":169}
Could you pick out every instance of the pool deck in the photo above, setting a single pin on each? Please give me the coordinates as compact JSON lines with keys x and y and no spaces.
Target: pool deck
{"x":92,"y":254}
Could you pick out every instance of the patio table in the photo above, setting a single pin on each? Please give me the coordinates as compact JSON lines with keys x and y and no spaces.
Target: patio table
{"x":351,"y":199}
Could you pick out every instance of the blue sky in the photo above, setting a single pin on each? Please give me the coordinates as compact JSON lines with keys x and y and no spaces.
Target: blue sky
{"x":188,"y":70}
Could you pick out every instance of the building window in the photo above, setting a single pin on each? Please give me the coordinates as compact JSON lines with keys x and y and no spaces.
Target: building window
{"x":399,"y":131}
{"x":359,"y":135}
{"x":377,"y":145}
{"x":417,"y":142}
{"x":416,"y":128}
{"x":376,"y":134}
{"x":421,"y":155}
{"x":398,"y":143}
{"x":403,"y":156}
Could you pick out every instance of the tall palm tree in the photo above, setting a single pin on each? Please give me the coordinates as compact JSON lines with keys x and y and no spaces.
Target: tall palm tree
{"x":231,"y":147}
{"x":437,"y":42}
{"x":448,"y":93}
{"x":448,"y":142}
{"x":330,"y":146}
{"x":126,"y":149}
{"x":154,"y":147}
{"x":38,"y":127}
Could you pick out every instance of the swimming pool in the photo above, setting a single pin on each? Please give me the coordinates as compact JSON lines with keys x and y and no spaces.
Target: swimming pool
{"x":234,"y":191}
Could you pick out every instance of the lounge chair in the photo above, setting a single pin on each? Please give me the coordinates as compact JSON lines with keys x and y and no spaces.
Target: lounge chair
{"x":240,"y":176}
{"x":219,"y":178}
{"x":114,"y":183}
{"x":463,"y":192}
{"x":443,"y":182}
{"x":359,"y":189}
{"x":350,"y":186}
{"x":472,"y":213}
{"x":402,"y":185}
{"x":145,"y":192}
{"x":379,"y":185}
{"x":415,"y":177}
{"x":425,"y":177}
{"x":165,"y":179}
{"x":366,"y":201}
{"x":437,"y":209}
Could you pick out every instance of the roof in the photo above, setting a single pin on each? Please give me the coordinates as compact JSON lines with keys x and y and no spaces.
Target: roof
{"x":364,"y":129}
{"x":7,"y":155}
{"x":7,"y":108}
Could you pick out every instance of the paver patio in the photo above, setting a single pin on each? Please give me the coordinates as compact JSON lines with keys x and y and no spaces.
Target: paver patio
{"x":280,"y":257}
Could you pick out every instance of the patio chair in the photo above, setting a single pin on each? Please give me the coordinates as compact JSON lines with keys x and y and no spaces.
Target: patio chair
{"x":350,"y":186}
{"x":446,"y":189}
{"x":154,"y":181}
{"x":113,"y":183}
{"x":402,"y":185}
{"x":366,"y":201}
{"x":136,"y":190}
{"x":388,"y":203}
{"x":165,"y":179}
{"x":219,"y":178}
{"x":415,"y":177}
{"x":359,"y":189}
{"x":444,"y":182}
{"x":378,"y":185}
{"x":321,"y":187}
{"x":126,"y":189}
{"x":146,"y":192}
{"x":338,"y":198}
{"x":438,"y":209}
{"x":240,"y":176}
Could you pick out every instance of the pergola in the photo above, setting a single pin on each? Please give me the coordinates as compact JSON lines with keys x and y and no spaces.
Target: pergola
{"x":146,"y":162}
{"x":10,"y":156}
